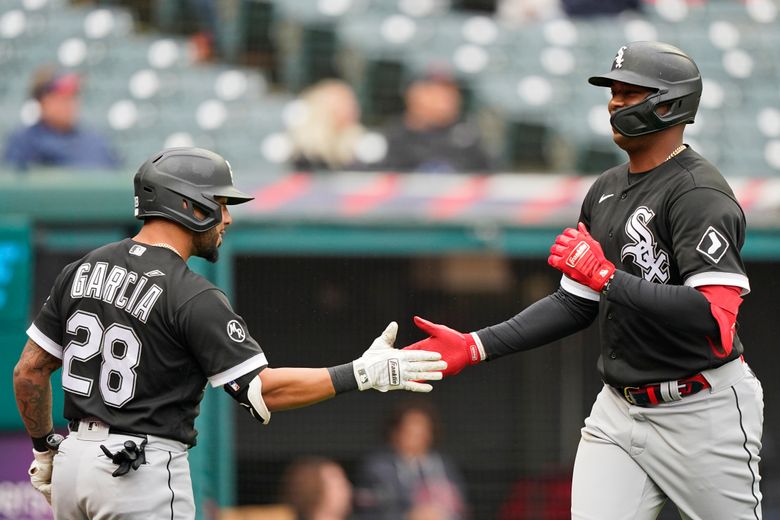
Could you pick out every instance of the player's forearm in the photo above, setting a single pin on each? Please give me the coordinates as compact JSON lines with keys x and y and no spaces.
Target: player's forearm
{"x":32,"y":388}
{"x":289,"y":387}
{"x":679,"y":306}
{"x":551,"y":318}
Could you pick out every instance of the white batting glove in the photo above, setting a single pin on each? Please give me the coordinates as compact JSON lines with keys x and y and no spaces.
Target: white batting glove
{"x":384,"y":368}
{"x":40,"y":472}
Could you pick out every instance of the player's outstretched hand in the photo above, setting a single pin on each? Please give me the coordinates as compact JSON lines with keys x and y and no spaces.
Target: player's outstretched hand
{"x":384,"y":368}
{"x":459,"y":350}
{"x":40,"y":472}
{"x":579,"y":256}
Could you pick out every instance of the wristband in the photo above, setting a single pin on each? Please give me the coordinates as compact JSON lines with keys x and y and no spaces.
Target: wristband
{"x":343,"y":378}
{"x":40,"y":443}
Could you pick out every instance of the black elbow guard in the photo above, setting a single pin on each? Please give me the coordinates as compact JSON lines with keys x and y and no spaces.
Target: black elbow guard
{"x":247,"y":390}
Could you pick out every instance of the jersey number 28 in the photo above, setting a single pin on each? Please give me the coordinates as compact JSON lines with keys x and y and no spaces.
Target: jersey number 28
{"x":121,"y":351}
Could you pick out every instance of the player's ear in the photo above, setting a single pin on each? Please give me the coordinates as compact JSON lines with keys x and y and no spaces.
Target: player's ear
{"x":185,"y":204}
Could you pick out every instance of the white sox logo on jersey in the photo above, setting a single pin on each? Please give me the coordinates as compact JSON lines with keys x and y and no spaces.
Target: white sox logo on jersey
{"x":653,"y":263}
{"x":236,"y":331}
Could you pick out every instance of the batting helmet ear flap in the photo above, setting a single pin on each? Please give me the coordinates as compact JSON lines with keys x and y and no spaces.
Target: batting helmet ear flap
{"x":644,"y":118}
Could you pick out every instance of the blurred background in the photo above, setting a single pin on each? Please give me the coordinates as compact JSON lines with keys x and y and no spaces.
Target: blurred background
{"x":407,"y":157}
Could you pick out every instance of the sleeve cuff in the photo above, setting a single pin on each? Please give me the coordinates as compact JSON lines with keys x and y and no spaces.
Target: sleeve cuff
{"x":44,"y":342}
{"x":717,"y":278}
{"x":578,"y":289}
{"x":237,"y":371}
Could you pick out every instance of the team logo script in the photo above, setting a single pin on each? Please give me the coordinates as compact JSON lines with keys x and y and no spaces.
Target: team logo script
{"x":619,"y":58}
{"x":653,"y":262}
{"x":236,"y":331}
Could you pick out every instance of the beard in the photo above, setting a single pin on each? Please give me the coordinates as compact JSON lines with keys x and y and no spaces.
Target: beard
{"x":206,"y":245}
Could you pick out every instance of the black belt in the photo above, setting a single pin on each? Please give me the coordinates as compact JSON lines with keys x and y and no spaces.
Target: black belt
{"x":666,"y":392}
{"x":73,"y":426}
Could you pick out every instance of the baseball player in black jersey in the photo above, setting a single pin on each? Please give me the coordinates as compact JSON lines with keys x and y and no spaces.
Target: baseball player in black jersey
{"x":138,"y":336}
{"x":655,"y":258}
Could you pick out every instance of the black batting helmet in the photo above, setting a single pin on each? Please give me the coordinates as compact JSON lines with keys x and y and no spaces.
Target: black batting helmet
{"x":193,"y":175}
{"x":661,"y":67}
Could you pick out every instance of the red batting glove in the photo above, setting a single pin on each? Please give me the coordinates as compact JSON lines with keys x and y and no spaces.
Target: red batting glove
{"x":457,"y":349}
{"x":579,"y":256}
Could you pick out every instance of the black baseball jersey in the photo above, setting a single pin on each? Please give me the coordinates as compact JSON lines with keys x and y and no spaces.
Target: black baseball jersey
{"x":140,"y":335}
{"x":677,"y":224}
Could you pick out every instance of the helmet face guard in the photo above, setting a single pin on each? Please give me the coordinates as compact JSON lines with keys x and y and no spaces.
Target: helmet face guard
{"x":643,"y":118}
{"x":663,"y":68}
{"x":176,"y":182}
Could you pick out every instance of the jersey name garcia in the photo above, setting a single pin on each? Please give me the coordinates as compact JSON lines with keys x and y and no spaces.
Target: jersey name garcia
{"x":140,"y":336}
{"x":677,"y":224}
{"x":117,"y":286}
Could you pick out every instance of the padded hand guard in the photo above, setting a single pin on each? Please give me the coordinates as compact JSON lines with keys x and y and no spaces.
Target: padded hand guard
{"x":579,"y":256}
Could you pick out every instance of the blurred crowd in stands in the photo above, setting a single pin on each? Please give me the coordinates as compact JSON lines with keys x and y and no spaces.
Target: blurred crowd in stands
{"x":405,"y":476}
{"x":433,"y":86}
{"x":419,"y":118}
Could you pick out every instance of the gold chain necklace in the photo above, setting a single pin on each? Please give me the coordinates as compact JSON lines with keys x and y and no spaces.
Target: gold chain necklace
{"x":167,"y":246}
{"x":675,"y":152}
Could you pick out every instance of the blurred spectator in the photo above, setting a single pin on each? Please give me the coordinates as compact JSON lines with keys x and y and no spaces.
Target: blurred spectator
{"x":431,"y":136}
{"x":584,"y":8}
{"x":317,"y":488}
{"x":57,"y":139}
{"x":328,"y":134}
{"x":410,"y":479}
{"x":523,"y":11}
{"x":203,"y":42}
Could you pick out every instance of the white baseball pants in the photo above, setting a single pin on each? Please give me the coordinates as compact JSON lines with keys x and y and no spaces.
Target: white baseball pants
{"x":83,"y":488}
{"x":701,"y":452}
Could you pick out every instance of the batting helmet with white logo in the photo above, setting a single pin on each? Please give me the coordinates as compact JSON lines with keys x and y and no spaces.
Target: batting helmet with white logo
{"x":175,"y":182}
{"x":668,"y":71}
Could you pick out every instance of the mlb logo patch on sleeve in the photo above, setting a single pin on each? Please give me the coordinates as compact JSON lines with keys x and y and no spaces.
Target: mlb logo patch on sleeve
{"x":713,"y":244}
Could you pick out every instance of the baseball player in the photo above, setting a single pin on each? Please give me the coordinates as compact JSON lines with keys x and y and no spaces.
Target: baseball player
{"x":655,"y":258}
{"x":138,"y":336}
